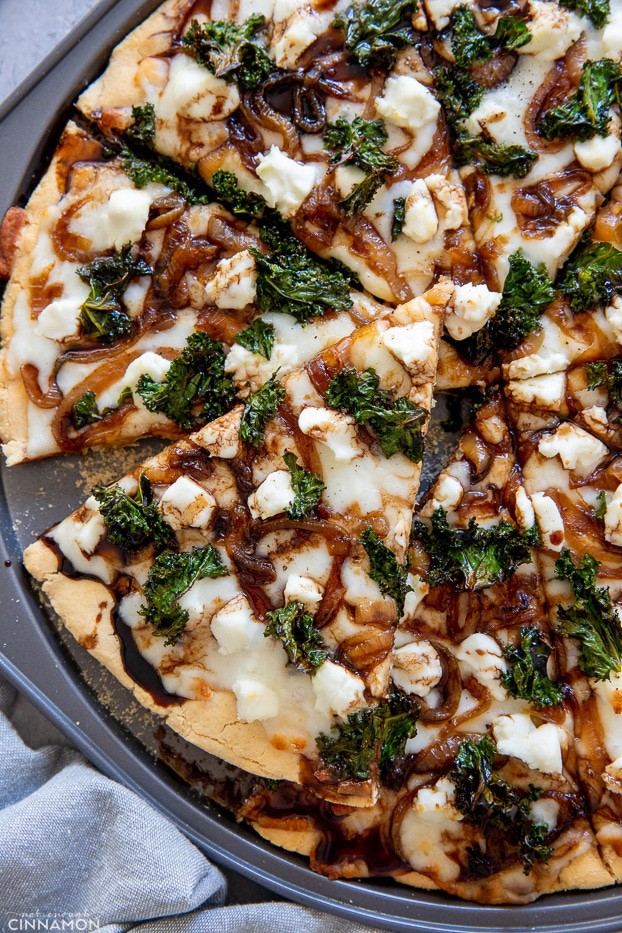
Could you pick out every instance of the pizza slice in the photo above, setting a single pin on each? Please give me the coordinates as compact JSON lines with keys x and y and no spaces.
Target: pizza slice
{"x":574,"y":482}
{"x":143,"y":311}
{"x":352,"y":149}
{"x":483,"y":800}
{"x":245,"y":583}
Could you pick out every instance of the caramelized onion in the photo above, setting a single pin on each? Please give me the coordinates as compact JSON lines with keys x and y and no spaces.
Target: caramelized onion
{"x":541,"y":207}
{"x":337,"y":536}
{"x":30,"y":378}
{"x":450,"y":686}
{"x":499,"y":68}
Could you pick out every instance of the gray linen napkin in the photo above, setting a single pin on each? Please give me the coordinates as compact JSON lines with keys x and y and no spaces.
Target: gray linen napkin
{"x":80,"y":849}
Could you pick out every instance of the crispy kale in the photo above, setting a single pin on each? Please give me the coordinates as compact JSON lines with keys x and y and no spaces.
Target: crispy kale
{"x":196,"y":388}
{"x":307,"y":486}
{"x":351,"y":750}
{"x":591,"y":275}
{"x":227,"y":190}
{"x":592,"y":619}
{"x":470,"y":45}
{"x":526,"y":677}
{"x":474,"y":557}
{"x":494,"y":158}
{"x":608,"y":375}
{"x":142,"y":130}
{"x":102,"y":316}
{"x":360,"y":143}
{"x":230,"y":51}
{"x":596,"y":10}
{"x":385,"y":569}
{"x":459,"y":94}
{"x":396,"y":423}
{"x":490,"y":802}
{"x":260,"y":407}
{"x":399,"y":217}
{"x":170,"y":576}
{"x":400,"y":713}
{"x":145,"y":167}
{"x":258,"y":337}
{"x":586,"y":112}
{"x":133,"y":521}
{"x":526,"y":293}
{"x":376,"y":29}
{"x":291,"y":280}
{"x":86,"y":411}
{"x":293,"y":626}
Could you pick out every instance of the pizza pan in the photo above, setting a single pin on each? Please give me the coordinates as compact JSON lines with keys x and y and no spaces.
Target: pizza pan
{"x":87,"y":703}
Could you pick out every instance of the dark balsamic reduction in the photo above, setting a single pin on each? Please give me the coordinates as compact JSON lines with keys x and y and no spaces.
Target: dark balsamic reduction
{"x":138,"y":668}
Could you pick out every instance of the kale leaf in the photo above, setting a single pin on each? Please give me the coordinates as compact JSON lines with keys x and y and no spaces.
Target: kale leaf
{"x":85,"y":411}
{"x":459,"y":94}
{"x":595,"y":10}
{"x":591,"y":275}
{"x":258,"y":337}
{"x":396,"y":423}
{"x":259,"y":408}
{"x":527,"y":291}
{"x":145,"y":168}
{"x":304,"y":645}
{"x":133,"y":521}
{"x":592,"y":619}
{"x":400,"y":713}
{"x":307,"y":486}
{"x":102,"y":316}
{"x":376,"y":29}
{"x":360,"y":143}
{"x":586,"y":112}
{"x":349,"y":751}
{"x":142,"y":130}
{"x":601,"y":509}
{"x":399,"y":217}
{"x":494,"y":158}
{"x":527,"y":677}
{"x":230,"y":51}
{"x":196,"y":388}
{"x":474,"y":557}
{"x":380,"y":733}
{"x":608,"y":375}
{"x":491,"y":803}
{"x":470,"y":45}
{"x":385,"y":569}
{"x":228,"y":191}
{"x":292,"y":281}
{"x":170,"y":576}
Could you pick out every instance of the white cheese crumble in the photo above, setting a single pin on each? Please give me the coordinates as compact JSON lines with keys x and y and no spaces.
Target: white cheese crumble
{"x":337,"y":690}
{"x":234,"y":626}
{"x":525,"y":514}
{"x":553,"y":30}
{"x":416,"y":668}
{"x":420,"y":218}
{"x":612,"y":37}
{"x":545,"y":391}
{"x":195,"y":92}
{"x":407,"y":103}
{"x":233,"y":282}
{"x":288,"y":183}
{"x":418,"y":591}
{"x":222,"y":437}
{"x":540,"y":747}
{"x":549,"y":520}
{"x":451,"y":198}
{"x":439,"y":798}
{"x":577,"y":449}
{"x":482,"y":656}
{"x":59,"y":319}
{"x":613,"y":518}
{"x":147,"y":364}
{"x":473,"y":306}
{"x":255,"y":700}
{"x":305,"y":590}
{"x":185,"y":504}
{"x":597,"y":153}
{"x":414,"y":345}
{"x":274,"y":495}
{"x":335,"y":430}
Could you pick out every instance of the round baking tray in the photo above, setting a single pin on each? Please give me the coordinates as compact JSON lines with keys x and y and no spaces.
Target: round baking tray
{"x":82,"y":699}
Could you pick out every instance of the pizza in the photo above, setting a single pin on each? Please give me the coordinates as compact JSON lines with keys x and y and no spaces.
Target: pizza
{"x":281,"y":236}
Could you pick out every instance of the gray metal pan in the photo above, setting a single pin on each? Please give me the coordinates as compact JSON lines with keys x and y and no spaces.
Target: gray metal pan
{"x":85,"y":702}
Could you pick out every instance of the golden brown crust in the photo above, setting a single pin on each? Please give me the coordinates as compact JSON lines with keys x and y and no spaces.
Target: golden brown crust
{"x":85,"y":607}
